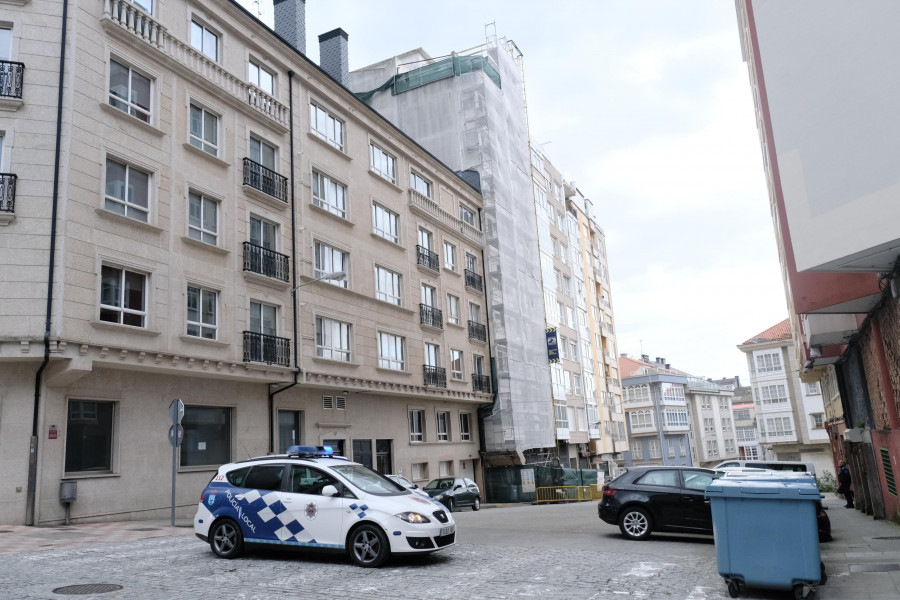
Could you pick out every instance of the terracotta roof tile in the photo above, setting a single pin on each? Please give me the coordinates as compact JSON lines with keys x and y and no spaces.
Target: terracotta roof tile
{"x":782,"y":331}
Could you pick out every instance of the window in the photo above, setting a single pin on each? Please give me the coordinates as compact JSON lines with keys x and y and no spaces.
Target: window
{"x":467,"y":214}
{"x":772,"y":394}
{"x":432,"y":355}
{"x":262,"y":153}
{"x":443,"y":426}
{"x":201,"y":312}
{"x":334,"y":403}
{"x":637,"y":449}
{"x":456,"y":364}
{"x":204,"y":130}
{"x":712,"y":448}
{"x":672,"y":445}
{"x":567,"y":285}
{"x":655,"y":450}
{"x":465,"y":433}
{"x":709,"y":424}
{"x":429,"y":296}
{"x":123,"y":296}
{"x":420,"y":184}
{"x":326,"y":126}
{"x":453,"y":309}
{"x":416,"y":426}
{"x":203,"y":218}
{"x":813,"y":388}
{"x":127,"y":191}
{"x":445,"y":468}
{"x":387,"y":285}
{"x":262,"y":318}
{"x":562,"y":416}
{"x":419,"y":471}
{"x":262,"y":78}
{"x":207,"y":436}
{"x":382,"y":163}
{"x":332,"y":339}
{"x":563,"y":346}
{"x":426,"y":239}
{"x":449,"y":256}
{"x":742,"y":414}
{"x":89,"y":436}
{"x":129,"y":91}
{"x":385,"y":223}
{"x":204,"y":40}
{"x":391,"y":353}
{"x":329,"y":194}
{"x":818,"y":420}
{"x":777,"y":427}
{"x":263,"y":233}
{"x":471,"y":263}
{"x":768,"y":363}
{"x":329,"y":260}
{"x":474,"y":312}
{"x":477,"y":364}
{"x":751,"y":453}
{"x":147,"y":5}
{"x":641,"y":419}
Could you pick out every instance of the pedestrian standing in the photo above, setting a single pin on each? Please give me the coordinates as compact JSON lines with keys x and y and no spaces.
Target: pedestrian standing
{"x":846,"y":481}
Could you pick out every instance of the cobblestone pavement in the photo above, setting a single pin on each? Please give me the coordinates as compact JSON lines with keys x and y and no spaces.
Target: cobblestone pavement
{"x":518,"y":552}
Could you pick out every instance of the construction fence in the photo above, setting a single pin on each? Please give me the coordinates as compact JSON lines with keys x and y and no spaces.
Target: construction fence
{"x":540,"y":484}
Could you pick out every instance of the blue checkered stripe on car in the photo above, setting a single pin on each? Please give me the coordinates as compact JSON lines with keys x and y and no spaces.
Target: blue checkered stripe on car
{"x":278,"y":521}
{"x":361,"y":508}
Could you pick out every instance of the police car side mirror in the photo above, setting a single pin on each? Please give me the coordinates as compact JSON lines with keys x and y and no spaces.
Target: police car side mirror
{"x":330,"y":490}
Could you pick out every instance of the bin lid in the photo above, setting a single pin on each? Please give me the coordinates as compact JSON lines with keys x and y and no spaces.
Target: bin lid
{"x":763,"y":488}
{"x":771,"y":476}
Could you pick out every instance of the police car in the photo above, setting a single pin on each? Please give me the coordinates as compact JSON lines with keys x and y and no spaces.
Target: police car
{"x":311,"y":499}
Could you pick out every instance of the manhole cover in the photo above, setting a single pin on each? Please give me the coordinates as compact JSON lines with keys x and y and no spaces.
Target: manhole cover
{"x":87,"y":588}
{"x":874,"y":568}
{"x":887,"y":537}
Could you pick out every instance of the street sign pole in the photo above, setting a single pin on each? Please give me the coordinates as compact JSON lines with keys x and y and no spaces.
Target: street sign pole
{"x":176,"y":435}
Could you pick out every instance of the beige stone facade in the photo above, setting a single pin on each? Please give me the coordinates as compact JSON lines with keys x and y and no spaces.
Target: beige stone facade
{"x":185,"y":225}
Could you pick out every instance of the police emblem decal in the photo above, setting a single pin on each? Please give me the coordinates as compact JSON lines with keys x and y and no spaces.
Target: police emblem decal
{"x":212,"y":499}
{"x":311,"y":511}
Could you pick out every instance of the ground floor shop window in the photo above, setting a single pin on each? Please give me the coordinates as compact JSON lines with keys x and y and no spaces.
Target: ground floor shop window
{"x":362,"y":452}
{"x":207,"y":436}
{"x":89,"y":436}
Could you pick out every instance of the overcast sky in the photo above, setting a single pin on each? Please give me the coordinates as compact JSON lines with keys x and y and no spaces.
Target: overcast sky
{"x":646,"y":106}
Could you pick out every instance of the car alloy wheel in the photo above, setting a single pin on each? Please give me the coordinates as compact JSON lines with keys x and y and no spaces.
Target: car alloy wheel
{"x":226,"y":539}
{"x":635,"y":523}
{"x":368,"y":546}
{"x":477,"y":504}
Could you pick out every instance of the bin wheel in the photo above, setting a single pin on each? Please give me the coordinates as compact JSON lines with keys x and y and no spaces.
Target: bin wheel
{"x":804,"y":592}
{"x":734,"y":589}
{"x":824,"y":576}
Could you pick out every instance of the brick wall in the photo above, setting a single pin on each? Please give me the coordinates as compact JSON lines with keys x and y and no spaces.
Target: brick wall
{"x":871,"y":366}
{"x":889,"y":321}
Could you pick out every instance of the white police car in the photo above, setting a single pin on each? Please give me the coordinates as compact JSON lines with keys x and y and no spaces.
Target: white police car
{"x":310,"y":499}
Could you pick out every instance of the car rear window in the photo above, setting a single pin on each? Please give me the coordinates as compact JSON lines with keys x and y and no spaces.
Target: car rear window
{"x":265,"y":477}
{"x":237,"y":476}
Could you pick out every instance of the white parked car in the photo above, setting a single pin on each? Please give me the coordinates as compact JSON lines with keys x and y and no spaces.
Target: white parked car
{"x":311,"y":499}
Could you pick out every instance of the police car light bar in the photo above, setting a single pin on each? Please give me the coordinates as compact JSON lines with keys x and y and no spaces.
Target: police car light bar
{"x":310,"y":451}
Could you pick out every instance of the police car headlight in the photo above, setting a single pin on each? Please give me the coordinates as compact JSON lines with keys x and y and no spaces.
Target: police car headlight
{"x":413,"y":517}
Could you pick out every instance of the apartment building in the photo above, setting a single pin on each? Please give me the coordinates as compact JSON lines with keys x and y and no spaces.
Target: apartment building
{"x":590,"y":423}
{"x":790,"y":414}
{"x":713,"y":425}
{"x":226,"y":224}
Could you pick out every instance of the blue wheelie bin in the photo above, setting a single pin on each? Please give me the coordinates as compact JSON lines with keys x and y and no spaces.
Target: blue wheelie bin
{"x":766,"y":533}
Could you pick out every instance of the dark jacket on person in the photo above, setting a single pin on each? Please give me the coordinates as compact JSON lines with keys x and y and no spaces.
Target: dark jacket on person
{"x":844,"y":479}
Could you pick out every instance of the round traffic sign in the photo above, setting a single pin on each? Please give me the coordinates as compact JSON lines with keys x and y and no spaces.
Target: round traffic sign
{"x":176,"y":435}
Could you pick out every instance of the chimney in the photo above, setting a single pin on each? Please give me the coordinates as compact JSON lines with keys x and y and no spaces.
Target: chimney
{"x":333,"y":55}
{"x":290,"y":22}
{"x":645,"y":357}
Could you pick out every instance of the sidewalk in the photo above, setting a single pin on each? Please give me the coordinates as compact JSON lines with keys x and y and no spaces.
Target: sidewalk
{"x":17,"y":539}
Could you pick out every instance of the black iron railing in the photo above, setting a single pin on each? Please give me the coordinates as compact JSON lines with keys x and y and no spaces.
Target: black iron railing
{"x":481,"y":383}
{"x":477,"y":331}
{"x":265,"y":180}
{"x":259,"y":347}
{"x":266,"y":262}
{"x":7,"y":192}
{"x":435,"y":376}
{"x":474,"y":281}
{"x":428,"y":258}
{"x":431,"y":316}
{"x":12,"y":75}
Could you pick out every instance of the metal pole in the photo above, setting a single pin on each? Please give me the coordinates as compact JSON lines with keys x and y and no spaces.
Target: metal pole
{"x":174,"y":460}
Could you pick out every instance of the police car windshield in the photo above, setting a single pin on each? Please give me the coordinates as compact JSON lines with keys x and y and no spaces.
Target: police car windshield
{"x":369,"y":481}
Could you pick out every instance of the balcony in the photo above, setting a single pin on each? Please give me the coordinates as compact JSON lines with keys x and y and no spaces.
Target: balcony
{"x":12,"y":76}
{"x":474,"y":281}
{"x":481,"y":383}
{"x":477,"y":331}
{"x":435,"y":376}
{"x":265,"y":180}
{"x":432,"y":210}
{"x":427,"y":258}
{"x":431,"y":316}
{"x":266,"y":262}
{"x":7,"y":197}
{"x":262,"y":348}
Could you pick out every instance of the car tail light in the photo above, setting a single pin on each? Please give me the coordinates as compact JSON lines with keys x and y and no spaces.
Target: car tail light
{"x":202,"y":496}
{"x":608,"y":491}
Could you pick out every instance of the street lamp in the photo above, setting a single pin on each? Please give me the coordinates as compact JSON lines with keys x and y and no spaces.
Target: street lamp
{"x":333,"y":276}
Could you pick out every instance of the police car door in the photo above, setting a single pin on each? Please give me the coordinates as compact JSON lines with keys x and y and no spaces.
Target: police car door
{"x":317,"y":520}
{"x":256,"y":505}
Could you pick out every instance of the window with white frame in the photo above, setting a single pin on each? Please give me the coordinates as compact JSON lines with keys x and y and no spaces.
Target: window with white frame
{"x":777,"y":427}
{"x":477,"y":364}
{"x":445,"y":468}
{"x":391,"y":353}
{"x":573,"y":349}
{"x":123,"y":296}
{"x":387,"y":285}
{"x":742,"y":414}
{"x":812,"y":388}
{"x":382,"y":163}
{"x":326,"y":126}
{"x":202,"y":312}
{"x":567,"y":285}
{"x":204,"y":129}
{"x":332,"y":339}
{"x":329,"y":260}
{"x":818,"y":420}
{"x":637,"y":450}
{"x":129,"y":90}
{"x":772,"y":394}
{"x":420,"y":471}
{"x":263,"y":318}
{"x":726,"y":424}
{"x":684,"y":449}
{"x":637,"y":393}
{"x":127,"y":190}
{"x":456,"y":364}
{"x":563,"y":346}
{"x":562,"y":312}
{"x":262,"y":153}
{"x":751,"y":453}
{"x":709,"y":424}
{"x":203,"y":218}
{"x":385,"y":223}
{"x":432,"y":355}
{"x":567,"y":381}
{"x":471,"y":263}
{"x":712,"y":447}
{"x":329,"y":194}
{"x":769,"y":363}
{"x":465,"y":432}
{"x":676,"y":418}
{"x":746,"y":434}
{"x":204,"y":39}
{"x":467,"y":214}
{"x":261,"y":77}
{"x":673,"y":392}
{"x":449,"y":256}
{"x":416,"y":426}
{"x":562,"y":416}
{"x":453,"y":309}
{"x":641,"y":419}
{"x":443,"y":426}
{"x":475,"y":312}
{"x":672,"y":444}
{"x":420,"y":184}
{"x":577,"y":385}
{"x":655,"y":449}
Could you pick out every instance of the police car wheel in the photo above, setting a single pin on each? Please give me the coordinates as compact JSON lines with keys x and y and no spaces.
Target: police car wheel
{"x":226,"y":539}
{"x":368,"y":546}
